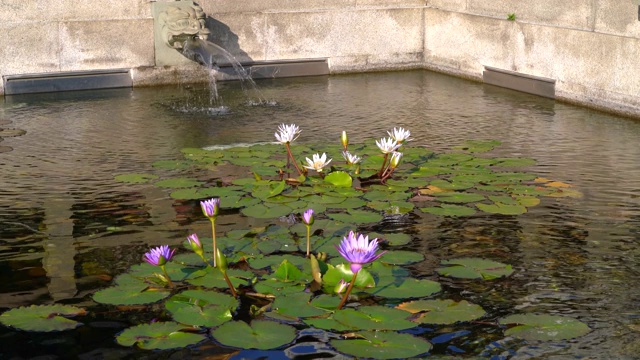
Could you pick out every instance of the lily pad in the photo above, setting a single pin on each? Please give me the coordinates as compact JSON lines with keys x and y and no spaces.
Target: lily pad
{"x":135,"y":294}
{"x":502,"y":209}
{"x":159,"y":336}
{"x":544,"y":327}
{"x":260,"y":334}
{"x":178,"y":183}
{"x":296,"y":305}
{"x":44,"y":318}
{"x":404,"y":288}
{"x":443,"y":312}
{"x":401,"y":257}
{"x":339,"y":179}
{"x":474,"y":268}
{"x":261,"y":211}
{"x":449,"y":210}
{"x":458,"y":197}
{"x":201,"y":307}
{"x":382,"y":345}
{"x":356,"y":217}
{"x":138,"y":178}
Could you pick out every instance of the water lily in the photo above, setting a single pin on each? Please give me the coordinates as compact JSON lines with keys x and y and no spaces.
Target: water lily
{"x":341,"y":286}
{"x":159,"y":256}
{"x":388,"y":145}
{"x":286,"y":134}
{"x":307,"y":219}
{"x":211,"y":209}
{"x":196,"y":246}
{"x":393,"y":164}
{"x":351,"y":158}
{"x":357,"y":250}
{"x":318,"y":162}
{"x":400,"y":135}
{"x":345,"y":140}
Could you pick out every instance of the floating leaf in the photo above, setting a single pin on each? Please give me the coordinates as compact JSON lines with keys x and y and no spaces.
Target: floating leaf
{"x":514,"y":162}
{"x":395,"y":239}
{"x":178,"y":183}
{"x":172,"y":164}
{"x":474,"y":268}
{"x":356,"y":217}
{"x":401,"y":257}
{"x":343,"y":272}
{"x":452,"y":185}
{"x":261,"y":334}
{"x":458,"y":197}
{"x":45,"y":318}
{"x":296,"y":305}
{"x":201,"y":307}
{"x":544,"y":327}
{"x":339,"y":179}
{"x":136,"y":294}
{"x":159,"y":336}
{"x":449,"y":210}
{"x":261,"y":211}
{"x":503,"y":209}
{"x":287,"y":272}
{"x":443,"y":312}
{"x":404,"y":288}
{"x":136,"y":178}
{"x":383,"y":345}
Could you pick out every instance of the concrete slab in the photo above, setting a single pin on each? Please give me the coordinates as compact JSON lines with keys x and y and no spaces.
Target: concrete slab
{"x":242,"y":35}
{"x":618,"y":17}
{"x":344,"y":33}
{"x":570,"y":13}
{"x":467,"y":43}
{"x":72,"y":10}
{"x":17,"y":58}
{"x":215,"y":7}
{"x":451,"y":5}
{"x":106,"y":44}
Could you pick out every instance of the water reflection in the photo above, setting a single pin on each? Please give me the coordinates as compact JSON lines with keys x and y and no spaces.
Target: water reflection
{"x":67,"y":227}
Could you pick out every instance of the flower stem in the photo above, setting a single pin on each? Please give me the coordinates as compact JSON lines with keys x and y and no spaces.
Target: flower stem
{"x":293,"y":160}
{"x":308,"y":240}
{"x":213,"y":236}
{"x":164,"y":271}
{"x":226,"y":278}
{"x":346,"y":294}
{"x":384,"y":162}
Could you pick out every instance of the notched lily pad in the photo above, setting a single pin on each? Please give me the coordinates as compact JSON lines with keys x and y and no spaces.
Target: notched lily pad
{"x":382,"y":345}
{"x":136,"y":178}
{"x":443,"y":312}
{"x":544,"y":327}
{"x":159,"y":336}
{"x":45,"y":318}
{"x":260,"y":334}
{"x":474,"y":268}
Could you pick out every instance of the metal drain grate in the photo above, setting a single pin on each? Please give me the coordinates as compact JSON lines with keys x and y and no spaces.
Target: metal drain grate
{"x":66,"y":81}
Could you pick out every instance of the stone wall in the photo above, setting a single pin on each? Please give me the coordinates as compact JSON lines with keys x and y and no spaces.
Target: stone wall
{"x":590,"y":47}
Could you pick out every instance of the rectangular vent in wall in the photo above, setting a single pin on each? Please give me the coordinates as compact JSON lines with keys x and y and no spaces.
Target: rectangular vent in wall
{"x":66,"y":81}
{"x":521,"y":82}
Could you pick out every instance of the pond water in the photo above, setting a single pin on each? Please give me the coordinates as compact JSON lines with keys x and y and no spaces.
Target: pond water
{"x":67,"y":227}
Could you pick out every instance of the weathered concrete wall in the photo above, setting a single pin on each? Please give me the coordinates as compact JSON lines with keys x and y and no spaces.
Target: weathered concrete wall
{"x":590,"y":47}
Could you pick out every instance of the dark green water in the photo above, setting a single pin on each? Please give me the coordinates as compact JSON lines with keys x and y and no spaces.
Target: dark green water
{"x":59,"y":203}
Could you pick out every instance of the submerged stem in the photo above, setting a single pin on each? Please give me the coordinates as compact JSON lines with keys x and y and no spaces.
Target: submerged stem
{"x":346,"y":294}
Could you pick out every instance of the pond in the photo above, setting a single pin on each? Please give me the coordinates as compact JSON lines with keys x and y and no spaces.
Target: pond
{"x":69,"y":226}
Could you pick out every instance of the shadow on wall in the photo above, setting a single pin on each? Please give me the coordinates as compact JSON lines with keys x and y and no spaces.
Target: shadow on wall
{"x":222,"y":36}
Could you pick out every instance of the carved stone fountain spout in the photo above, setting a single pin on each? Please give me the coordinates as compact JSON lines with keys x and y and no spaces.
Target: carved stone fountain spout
{"x":180,"y":24}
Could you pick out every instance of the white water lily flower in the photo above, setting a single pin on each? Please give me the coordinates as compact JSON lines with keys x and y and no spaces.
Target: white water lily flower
{"x":318,"y":162}
{"x":287,"y":133}
{"x":388,"y":145}
{"x":351,"y":158}
{"x":400,"y":134}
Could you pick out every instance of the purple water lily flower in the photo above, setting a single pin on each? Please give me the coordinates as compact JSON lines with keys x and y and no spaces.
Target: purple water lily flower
{"x":357,"y":250}
{"x":159,"y":256}
{"x":307,"y":217}
{"x":211,"y":207}
{"x":194,"y":241}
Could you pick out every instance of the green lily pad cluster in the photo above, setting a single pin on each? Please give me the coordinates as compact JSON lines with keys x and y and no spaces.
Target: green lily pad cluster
{"x":281,"y":291}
